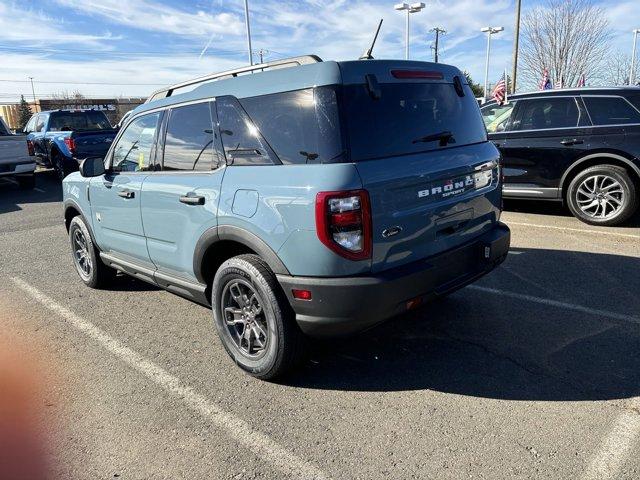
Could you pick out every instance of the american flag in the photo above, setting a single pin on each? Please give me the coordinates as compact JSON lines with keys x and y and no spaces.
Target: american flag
{"x":545,"y":84}
{"x":500,"y":90}
{"x":582,"y":81}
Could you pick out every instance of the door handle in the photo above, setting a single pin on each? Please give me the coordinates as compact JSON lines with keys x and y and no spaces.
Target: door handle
{"x":192,"y":199}
{"x":126,"y":194}
{"x":568,"y":143}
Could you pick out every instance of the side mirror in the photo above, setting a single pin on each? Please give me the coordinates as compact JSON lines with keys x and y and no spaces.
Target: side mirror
{"x":92,"y":167}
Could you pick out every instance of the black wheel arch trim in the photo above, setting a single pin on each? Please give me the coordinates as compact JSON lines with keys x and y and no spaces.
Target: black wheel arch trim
{"x":239,"y":235}
{"x":604,"y":155}
{"x":73,"y":204}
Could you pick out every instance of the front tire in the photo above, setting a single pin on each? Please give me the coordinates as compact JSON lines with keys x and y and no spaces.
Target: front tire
{"x":602,"y":195}
{"x":90,"y":268}
{"x":253,"y":318}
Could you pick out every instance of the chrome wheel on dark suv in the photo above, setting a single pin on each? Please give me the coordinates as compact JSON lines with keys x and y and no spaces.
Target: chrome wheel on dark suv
{"x":602,"y":195}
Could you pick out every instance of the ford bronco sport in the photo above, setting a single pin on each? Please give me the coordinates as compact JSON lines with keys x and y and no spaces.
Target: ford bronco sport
{"x":296,"y":198}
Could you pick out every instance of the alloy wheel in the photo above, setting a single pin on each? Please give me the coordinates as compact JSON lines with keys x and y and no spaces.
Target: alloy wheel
{"x":245,"y":318}
{"x":81,"y":253}
{"x":600,"y":196}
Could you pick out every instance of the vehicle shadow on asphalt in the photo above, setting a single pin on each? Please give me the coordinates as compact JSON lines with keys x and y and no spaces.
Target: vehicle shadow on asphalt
{"x":488,"y":345}
{"x":48,"y":189}
{"x":556,"y":209}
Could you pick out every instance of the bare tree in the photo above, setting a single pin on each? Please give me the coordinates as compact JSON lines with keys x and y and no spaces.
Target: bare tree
{"x":617,"y":69}
{"x":567,"y":37}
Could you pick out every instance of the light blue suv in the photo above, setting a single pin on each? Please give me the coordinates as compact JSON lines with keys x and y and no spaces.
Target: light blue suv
{"x":296,"y":198}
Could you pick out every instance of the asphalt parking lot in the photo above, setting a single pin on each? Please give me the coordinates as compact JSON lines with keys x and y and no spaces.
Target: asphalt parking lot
{"x":533,"y":372}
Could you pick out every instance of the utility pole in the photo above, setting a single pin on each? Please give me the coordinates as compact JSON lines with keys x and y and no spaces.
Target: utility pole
{"x":516,"y":40}
{"x":261,"y":53}
{"x":438,"y":31}
{"x":246,"y":17}
{"x":633,"y":57}
{"x":33,"y":91}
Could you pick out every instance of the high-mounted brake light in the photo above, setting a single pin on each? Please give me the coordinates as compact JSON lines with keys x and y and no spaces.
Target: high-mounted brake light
{"x":71,"y":144}
{"x":343,"y":223}
{"x":423,"y":74}
{"x":30,"y":148}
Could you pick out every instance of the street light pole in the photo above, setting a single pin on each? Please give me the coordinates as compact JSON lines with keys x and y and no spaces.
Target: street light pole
{"x":413,"y":8}
{"x":514,"y":72}
{"x":633,"y":57}
{"x":489,"y":31}
{"x":246,"y":17}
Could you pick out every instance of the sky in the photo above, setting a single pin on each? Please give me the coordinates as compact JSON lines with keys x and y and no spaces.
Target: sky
{"x":107,"y":48}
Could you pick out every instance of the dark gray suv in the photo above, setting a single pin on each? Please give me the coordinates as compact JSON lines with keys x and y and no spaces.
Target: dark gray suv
{"x":580,"y":146}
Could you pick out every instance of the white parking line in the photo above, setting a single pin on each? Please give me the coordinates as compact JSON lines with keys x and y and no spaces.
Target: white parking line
{"x":615,"y":448}
{"x":239,"y":430}
{"x":581,"y":230}
{"x":558,"y":304}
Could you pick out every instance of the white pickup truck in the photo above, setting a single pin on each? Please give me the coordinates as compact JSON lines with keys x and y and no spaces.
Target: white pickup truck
{"x":14,"y":158}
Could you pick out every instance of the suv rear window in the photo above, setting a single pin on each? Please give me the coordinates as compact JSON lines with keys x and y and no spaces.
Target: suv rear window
{"x":405,"y":114}
{"x":301,"y":126}
{"x":78,"y":121}
{"x":611,"y":111}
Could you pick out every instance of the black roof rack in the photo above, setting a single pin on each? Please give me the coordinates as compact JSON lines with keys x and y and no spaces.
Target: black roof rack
{"x":284,"y":63}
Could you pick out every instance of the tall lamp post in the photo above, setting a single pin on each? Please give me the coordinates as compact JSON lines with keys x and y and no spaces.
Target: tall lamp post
{"x":246,"y":18}
{"x":489,"y":31}
{"x":410,"y":8}
{"x":632,"y":73}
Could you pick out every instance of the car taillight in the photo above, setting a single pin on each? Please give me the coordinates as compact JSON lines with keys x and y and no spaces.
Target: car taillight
{"x":30,"y":148}
{"x":422,"y":74}
{"x":71,"y":144}
{"x":343,"y":222}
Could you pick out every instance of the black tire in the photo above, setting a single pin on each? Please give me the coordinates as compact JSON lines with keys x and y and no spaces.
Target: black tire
{"x":620,"y":208}
{"x":60,"y":167}
{"x":26,"y":182}
{"x":283,"y":347}
{"x":98,"y":274}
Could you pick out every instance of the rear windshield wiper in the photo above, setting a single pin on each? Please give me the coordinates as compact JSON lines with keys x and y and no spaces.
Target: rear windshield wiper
{"x":443,"y":137}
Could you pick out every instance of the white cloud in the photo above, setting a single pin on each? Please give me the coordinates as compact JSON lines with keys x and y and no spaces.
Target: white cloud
{"x":35,"y":27}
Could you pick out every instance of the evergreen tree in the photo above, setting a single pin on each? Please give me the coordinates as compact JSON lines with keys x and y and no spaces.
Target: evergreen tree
{"x":476,"y":88}
{"x":24,"y":113}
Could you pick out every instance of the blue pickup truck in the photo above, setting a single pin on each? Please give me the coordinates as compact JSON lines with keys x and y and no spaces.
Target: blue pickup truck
{"x":63,"y":138}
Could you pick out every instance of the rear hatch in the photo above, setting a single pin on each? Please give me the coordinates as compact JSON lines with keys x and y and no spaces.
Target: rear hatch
{"x":420,"y":146}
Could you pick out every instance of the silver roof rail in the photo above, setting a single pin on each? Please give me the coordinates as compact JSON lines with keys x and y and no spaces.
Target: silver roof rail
{"x":284,"y":63}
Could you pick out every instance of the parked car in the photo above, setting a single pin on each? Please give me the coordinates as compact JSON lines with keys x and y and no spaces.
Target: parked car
{"x":578,"y":146}
{"x":14,"y":160}
{"x":317,"y":199}
{"x":63,"y":138}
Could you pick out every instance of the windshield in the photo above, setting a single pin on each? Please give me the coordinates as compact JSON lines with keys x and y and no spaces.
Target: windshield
{"x":410,"y":118}
{"x":78,"y":121}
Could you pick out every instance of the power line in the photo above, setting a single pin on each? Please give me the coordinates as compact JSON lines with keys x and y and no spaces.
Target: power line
{"x":117,"y":53}
{"x":81,"y":83}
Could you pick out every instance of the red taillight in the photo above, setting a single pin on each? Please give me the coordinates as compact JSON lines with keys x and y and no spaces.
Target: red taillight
{"x":343,"y":223}
{"x":424,"y":74}
{"x":301,"y":294}
{"x":71,"y":144}
{"x":30,"y":148}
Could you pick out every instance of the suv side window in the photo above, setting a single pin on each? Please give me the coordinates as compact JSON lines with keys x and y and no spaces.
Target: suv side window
{"x":611,"y":111}
{"x":546,"y":113}
{"x":40,"y":123}
{"x":301,"y":126}
{"x":496,"y":117}
{"x":31,"y":124}
{"x":132,"y":152}
{"x":188,"y":143}
{"x":243,"y":144}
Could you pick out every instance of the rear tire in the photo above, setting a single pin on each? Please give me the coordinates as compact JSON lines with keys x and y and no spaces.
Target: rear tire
{"x":60,"y":166}
{"x":254,"y":319}
{"x":26,"y":182}
{"x":86,"y":259}
{"x":602,"y":195}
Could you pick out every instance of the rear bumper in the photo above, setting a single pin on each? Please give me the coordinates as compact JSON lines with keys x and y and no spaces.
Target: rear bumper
{"x":346,"y":305}
{"x":17,"y":168}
